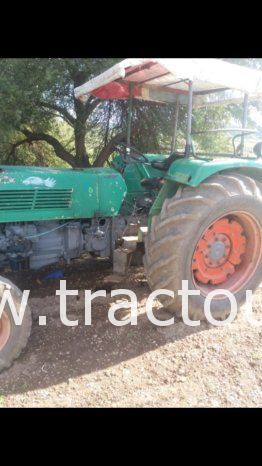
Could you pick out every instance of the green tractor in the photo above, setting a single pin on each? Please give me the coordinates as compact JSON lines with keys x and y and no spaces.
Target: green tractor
{"x":201,"y":214}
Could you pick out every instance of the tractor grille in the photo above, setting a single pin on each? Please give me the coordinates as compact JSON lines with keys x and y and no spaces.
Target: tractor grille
{"x":53,"y":199}
{"x":35,"y":199}
{"x":16,"y":200}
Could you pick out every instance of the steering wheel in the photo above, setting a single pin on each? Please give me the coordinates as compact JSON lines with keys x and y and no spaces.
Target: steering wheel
{"x":237,"y":150}
{"x":130,"y":155}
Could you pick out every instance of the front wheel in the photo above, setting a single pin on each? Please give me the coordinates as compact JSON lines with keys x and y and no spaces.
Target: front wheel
{"x":13,"y":338}
{"x":211,"y":236}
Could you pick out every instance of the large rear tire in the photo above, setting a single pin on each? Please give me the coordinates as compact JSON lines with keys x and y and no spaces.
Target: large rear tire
{"x":211,"y":236}
{"x":13,"y":338}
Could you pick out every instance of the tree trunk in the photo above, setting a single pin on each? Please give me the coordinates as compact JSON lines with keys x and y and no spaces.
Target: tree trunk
{"x":80,"y":146}
{"x":108,"y":149}
{"x":82,"y":159}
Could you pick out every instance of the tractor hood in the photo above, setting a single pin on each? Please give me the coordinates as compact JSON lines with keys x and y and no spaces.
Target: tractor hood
{"x":35,"y":193}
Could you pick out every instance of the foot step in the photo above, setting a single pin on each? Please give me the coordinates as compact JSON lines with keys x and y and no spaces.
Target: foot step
{"x":121,"y":260}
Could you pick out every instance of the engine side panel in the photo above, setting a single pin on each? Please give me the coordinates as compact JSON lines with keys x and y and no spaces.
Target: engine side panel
{"x":35,"y":194}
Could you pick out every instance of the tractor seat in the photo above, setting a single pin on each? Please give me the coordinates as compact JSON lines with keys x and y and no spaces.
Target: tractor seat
{"x":164,"y":165}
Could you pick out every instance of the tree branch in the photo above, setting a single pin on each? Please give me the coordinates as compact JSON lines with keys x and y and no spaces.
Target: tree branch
{"x":105,"y":153}
{"x":14,"y":147}
{"x":91,"y":107}
{"x":60,"y":151}
{"x":67,"y":116}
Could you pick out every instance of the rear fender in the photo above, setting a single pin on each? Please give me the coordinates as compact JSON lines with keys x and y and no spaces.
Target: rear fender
{"x":192,"y":172}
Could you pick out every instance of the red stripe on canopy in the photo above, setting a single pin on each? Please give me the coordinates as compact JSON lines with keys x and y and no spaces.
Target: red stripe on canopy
{"x":115,"y":90}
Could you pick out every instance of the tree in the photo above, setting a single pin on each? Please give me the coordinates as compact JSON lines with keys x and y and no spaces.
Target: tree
{"x":38,"y":94}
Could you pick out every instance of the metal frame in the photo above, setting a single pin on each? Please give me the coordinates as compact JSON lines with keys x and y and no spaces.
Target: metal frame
{"x":188,"y":146}
{"x":176,"y":116}
{"x":129,"y":118}
{"x":189,"y":133}
{"x":244,"y":123}
{"x":189,"y":119}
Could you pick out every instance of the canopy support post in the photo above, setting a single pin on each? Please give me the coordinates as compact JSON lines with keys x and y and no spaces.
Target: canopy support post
{"x":244,"y":123}
{"x":189,"y":119}
{"x":129,"y":118}
{"x":173,"y":143}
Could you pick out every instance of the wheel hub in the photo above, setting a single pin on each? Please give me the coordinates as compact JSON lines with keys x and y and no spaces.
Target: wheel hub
{"x":219,"y":251}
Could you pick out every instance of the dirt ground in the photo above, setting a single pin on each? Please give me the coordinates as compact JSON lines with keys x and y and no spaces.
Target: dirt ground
{"x":144,"y":366}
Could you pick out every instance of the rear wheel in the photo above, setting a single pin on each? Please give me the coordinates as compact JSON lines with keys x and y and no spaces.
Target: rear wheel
{"x":211,"y":236}
{"x":13,"y":338}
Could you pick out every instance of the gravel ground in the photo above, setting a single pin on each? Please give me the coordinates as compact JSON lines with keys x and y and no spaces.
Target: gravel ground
{"x":144,"y":366}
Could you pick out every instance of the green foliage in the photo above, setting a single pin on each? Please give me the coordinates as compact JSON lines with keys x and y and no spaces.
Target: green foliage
{"x":34,"y":92}
{"x":211,"y":118}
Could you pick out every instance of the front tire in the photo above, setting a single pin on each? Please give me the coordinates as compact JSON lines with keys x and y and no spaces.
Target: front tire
{"x":13,"y":338}
{"x":211,"y":236}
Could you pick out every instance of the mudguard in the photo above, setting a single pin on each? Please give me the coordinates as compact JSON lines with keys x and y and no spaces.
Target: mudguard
{"x":192,"y":172}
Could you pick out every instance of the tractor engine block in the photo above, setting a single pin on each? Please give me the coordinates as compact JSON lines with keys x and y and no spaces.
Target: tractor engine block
{"x":36,"y":244}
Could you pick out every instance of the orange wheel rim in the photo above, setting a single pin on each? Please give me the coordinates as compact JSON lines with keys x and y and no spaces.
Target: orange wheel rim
{"x":218,"y":252}
{"x":227,"y":252}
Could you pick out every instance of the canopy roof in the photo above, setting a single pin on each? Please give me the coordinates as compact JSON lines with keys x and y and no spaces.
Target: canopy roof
{"x":166,"y":80}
